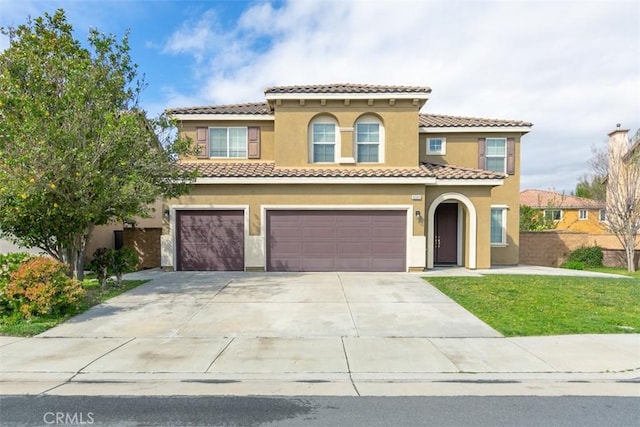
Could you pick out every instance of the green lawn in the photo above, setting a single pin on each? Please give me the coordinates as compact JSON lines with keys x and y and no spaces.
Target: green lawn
{"x":548,"y":305}
{"x":38,"y":324}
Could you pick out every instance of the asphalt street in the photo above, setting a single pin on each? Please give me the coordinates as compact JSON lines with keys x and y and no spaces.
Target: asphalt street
{"x":321,"y":411}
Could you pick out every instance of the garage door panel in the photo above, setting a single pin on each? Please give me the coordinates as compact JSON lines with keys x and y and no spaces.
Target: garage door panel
{"x":210,"y":240}
{"x":318,"y":264}
{"x":337,"y":240}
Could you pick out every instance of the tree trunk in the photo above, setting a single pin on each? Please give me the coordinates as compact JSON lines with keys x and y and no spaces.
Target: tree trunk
{"x":630,"y":253}
{"x":74,"y":254}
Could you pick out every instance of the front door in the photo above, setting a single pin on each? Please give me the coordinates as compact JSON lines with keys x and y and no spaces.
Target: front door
{"x":445,"y":242}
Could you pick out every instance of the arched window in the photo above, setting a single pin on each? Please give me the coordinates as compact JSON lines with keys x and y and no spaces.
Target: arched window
{"x":369,"y":140}
{"x":324,"y":140}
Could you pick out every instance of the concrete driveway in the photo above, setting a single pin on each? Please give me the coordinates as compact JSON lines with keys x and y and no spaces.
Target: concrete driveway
{"x":299,"y":334}
{"x":206,"y":305}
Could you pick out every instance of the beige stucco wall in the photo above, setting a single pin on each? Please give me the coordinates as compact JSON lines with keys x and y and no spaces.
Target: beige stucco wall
{"x":188,"y":129}
{"x":480,"y":197}
{"x":255,"y":196}
{"x":462,"y":150}
{"x":400,"y":122}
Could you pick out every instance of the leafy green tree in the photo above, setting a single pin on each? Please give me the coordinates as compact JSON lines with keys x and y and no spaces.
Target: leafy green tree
{"x":592,"y":187}
{"x":532,"y":219}
{"x":75,"y":149}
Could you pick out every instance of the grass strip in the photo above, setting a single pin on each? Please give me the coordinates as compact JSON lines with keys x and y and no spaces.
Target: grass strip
{"x":532,"y":305}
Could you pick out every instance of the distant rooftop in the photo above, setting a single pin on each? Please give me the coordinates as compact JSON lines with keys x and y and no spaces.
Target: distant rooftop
{"x":542,"y":199}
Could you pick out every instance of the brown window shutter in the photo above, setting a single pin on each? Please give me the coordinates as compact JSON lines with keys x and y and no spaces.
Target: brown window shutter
{"x":511,"y":156}
{"x":482,"y":157}
{"x":253,"y":142}
{"x":202,"y":142}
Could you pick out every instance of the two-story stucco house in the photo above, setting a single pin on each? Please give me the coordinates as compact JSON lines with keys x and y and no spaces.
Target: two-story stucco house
{"x":344,"y":177}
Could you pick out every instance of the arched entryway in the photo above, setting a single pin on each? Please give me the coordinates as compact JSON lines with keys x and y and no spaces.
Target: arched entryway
{"x":447,"y":216}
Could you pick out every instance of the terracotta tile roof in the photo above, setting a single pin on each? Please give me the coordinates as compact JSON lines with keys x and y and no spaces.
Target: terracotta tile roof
{"x":543,"y":199}
{"x":249,"y":108}
{"x":269,"y":170}
{"x":435,"y":120}
{"x":347,"y":88}
{"x":456,"y":172}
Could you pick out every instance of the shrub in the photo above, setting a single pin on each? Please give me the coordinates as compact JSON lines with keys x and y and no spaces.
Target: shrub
{"x":42,"y":286}
{"x":573,"y":265}
{"x":109,"y":262}
{"x":125,"y":260}
{"x":589,"y":256}
{"x":100,"y":264}
{"x":8,"y":264}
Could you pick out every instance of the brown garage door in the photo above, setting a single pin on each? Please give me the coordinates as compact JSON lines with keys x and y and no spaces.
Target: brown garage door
{"x":336,"y":240}
{"x":210,"y":240}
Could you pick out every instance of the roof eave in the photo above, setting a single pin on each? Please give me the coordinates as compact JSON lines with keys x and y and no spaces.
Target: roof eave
{"x":234,"y":117}
{"x":475,"y":129}
{"x":422,"y":96}
{"x":494,"y":182}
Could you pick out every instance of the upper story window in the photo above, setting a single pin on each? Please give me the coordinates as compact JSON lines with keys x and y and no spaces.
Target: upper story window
{"x":553,"y":214}
{"x":228,"y":142}
{"x":582,"y":214}
{"x":602,"y":215}
{"x":324,"y":137}
{"x":497,"y":154}
{"x":369,"y":138}
{"x":436,"y":146}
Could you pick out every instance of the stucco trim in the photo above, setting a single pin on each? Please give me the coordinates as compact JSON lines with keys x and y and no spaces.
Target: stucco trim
{"x":309,"y":180}
{"x":473,"y":226}
{"x":475,"y":129}
{"x":182,"y":207}
{"x":408,"y":208}
{"x":200,"y":117}
{"x":470,"y":182}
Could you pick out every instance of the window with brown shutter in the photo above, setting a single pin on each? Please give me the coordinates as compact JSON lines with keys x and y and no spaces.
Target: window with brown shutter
{"x":202,"y":142}
{"x":511,"y":156}
{"x":253,"y":142}
{"x":482,"y":156}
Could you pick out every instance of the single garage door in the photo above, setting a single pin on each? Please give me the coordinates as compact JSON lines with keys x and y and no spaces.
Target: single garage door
{"x":336,"y":240}
{"x":211,"y":240}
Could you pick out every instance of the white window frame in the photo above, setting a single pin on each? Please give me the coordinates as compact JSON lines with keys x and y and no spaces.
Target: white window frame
{"x":602,"y":215}
{"x":583,"y":214}
{"x":554,"y":210}
{"x":246,"y":142}
{"x":336,"y":144}
{"x":495,"y":156}
{"x":503,"y":210}
{"x":443,"y":147}
{"x":369,"y":119}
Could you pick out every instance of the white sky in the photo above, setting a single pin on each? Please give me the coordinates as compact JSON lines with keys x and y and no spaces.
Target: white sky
{"x":572,"y":68}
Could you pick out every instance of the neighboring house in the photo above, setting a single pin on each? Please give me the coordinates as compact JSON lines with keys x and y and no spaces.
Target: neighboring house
{"x":568,"y":212}
{"x":141,"y":234}
{"x":344,"y":177}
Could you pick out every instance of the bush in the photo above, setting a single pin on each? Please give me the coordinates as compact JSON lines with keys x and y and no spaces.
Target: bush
{"x":573,"y":265}
{"x":109,"y":262}
{"x":589,"y":256}
{"x":42,"y":286}
{"x":9,"y":263}
{"x":100,"y":265}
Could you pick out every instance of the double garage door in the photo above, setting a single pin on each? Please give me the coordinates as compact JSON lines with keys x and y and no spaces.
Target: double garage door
{"x":321,"y":240}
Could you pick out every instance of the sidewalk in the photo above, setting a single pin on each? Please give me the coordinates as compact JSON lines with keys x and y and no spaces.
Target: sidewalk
{"x":580,"y":365}
{"x":305,"y":334}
